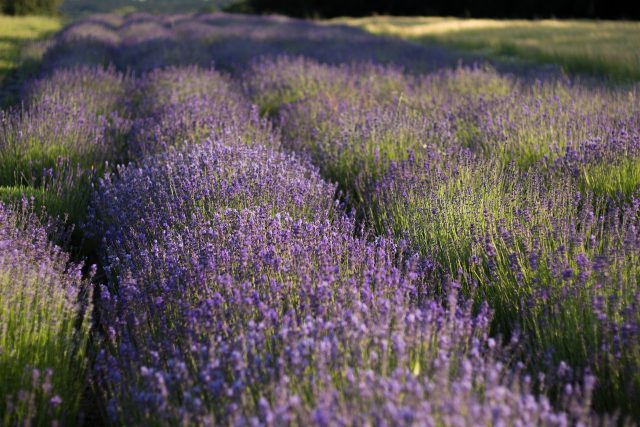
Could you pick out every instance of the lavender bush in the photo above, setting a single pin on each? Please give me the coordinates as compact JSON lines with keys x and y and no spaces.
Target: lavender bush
{"x":175,"y":106}
{"x":44,"y":324}
{"x":70,"y":125}
{"x":543,"y":257}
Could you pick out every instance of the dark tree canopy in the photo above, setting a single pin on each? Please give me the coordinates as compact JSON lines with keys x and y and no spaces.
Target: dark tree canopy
{"x":605,"y":9}
{"x":29,"y":7}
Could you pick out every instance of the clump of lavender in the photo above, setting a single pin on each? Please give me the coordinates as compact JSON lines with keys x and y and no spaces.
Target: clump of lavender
{"x":44,"y":324}
{"x":274,"y":82}
{"x":144,"y":43}
{"x":196,"y":182}
{"x":32,"y":140}
{"x":45,"y":150}
{"x":91,"y":91}
{"x":351,"y":120}
{"x":180,"y":105}
{"x":85,"y":42}
{"x":70,"y":126}
{"x":346,"y":113}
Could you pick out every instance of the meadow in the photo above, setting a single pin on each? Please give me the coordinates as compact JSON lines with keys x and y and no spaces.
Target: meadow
{"x":596,"y":47}
{"x":213,"y":219}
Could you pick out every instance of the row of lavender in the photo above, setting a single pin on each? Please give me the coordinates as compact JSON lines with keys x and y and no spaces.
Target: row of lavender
{"x":236,"y":290}
{"x":73,"y":126}
{"x":143,"y":42}
{"x":50,"y":151}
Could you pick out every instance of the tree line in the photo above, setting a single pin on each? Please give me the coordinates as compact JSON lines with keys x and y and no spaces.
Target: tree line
{"x":529,"y":9}
{"x":603,"y":9}
{"x":29,"y":7}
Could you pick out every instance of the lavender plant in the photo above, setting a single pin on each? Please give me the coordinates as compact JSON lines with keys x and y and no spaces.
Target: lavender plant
{"x":44,"y":325}
{"x":543,"y":257}
{"x":355,"y":119}
{"x":180,"y":105}
{"x":91,"y":42}
{"x":51,"y":148}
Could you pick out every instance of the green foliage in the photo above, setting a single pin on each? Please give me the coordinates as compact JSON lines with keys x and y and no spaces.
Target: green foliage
{"x":86,"y":7}
{"x":64,"y":196}
{"x":617,"y":179}
{"x":30,"y":7}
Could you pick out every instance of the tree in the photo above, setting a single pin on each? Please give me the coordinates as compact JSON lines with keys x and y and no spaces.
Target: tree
{"x":607,"y":9}
{"x":30,"y":7}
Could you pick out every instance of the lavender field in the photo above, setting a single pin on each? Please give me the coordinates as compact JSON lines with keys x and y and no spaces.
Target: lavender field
{"x":218,"y":219}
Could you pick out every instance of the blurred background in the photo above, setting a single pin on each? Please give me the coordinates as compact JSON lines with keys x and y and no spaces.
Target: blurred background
{"x":529,"y":9}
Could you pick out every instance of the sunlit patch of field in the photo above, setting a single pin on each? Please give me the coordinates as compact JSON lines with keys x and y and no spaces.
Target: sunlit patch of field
{"x":598,"y":47}
{"x":16,"y":31}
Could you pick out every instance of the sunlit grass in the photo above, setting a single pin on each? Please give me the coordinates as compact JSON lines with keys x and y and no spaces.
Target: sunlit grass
{"x":599,"y":47}
{"x":16,"y":31}
{"x":64,"y":196}
{"x":615,"y":179}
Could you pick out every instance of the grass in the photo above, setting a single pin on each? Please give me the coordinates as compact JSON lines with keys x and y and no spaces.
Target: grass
{"x":39,"y":158}
{"x":15,"y":32}
{"x":594,"y":47}
{"x":615,"y":179}
{"x":64,"y":198}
